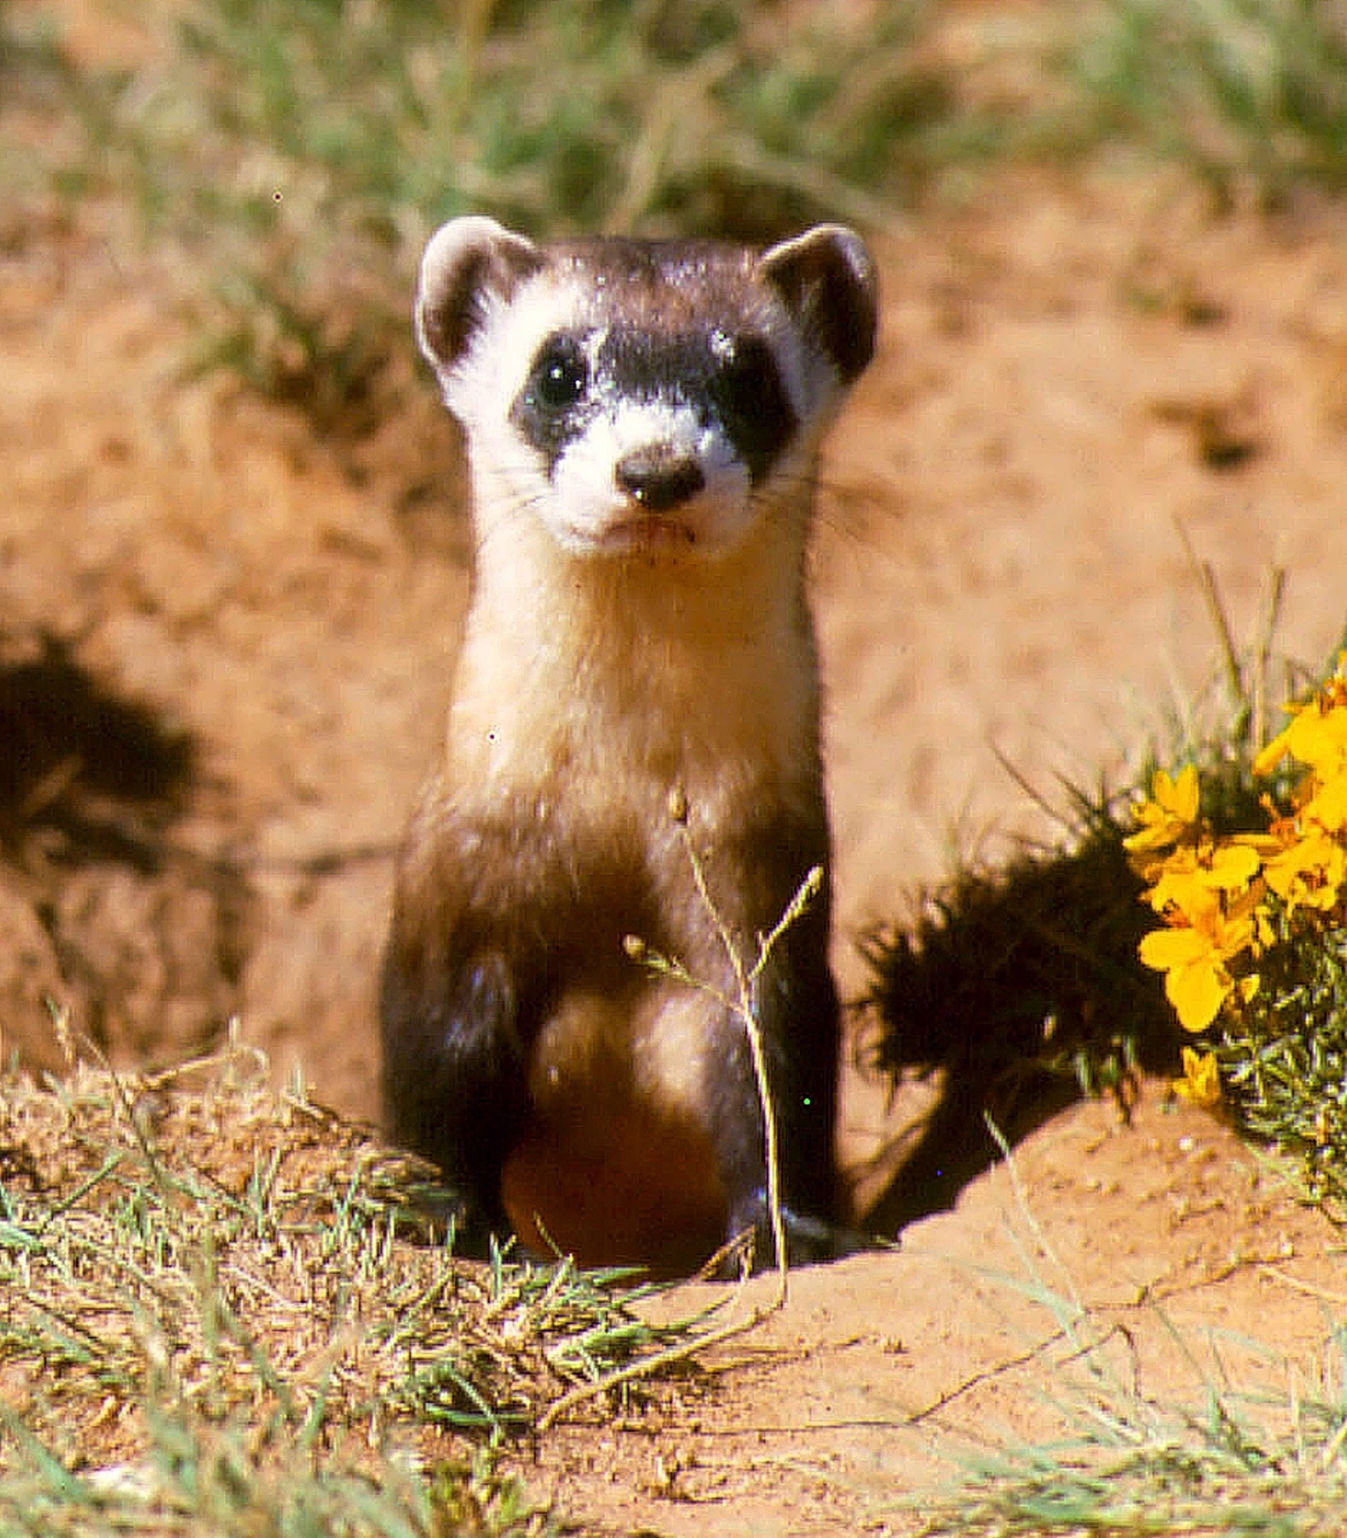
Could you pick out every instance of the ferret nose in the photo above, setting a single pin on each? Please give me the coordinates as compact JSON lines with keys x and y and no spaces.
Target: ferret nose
{"x":659,"y":477}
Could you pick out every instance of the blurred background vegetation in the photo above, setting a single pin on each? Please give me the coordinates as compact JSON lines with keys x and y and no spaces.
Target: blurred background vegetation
{"x":298,"y":152}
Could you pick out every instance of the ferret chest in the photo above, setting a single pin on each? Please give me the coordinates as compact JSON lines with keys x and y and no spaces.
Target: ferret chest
{"x":617,"y":1137}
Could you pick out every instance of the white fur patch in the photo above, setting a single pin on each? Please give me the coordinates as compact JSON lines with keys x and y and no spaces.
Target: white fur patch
{"x":589,"y":511}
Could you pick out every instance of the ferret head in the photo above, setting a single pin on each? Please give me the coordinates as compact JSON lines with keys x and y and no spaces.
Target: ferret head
{"x":641,"y":396}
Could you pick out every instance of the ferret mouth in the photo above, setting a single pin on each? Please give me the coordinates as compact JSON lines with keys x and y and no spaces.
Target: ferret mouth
{"x":646,"y":534}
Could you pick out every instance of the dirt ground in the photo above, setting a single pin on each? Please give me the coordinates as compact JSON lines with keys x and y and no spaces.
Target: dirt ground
{"x":224,"y":658}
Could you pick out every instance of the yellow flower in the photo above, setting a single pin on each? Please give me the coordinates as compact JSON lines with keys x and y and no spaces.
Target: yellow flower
{"x":1196,"y":981}
{"x":1267,"y":846}
{"x":1201,"y":1081}
{"x":1316,"y":734}
{"x":1176,"y":882}
{"x":1229,"y":867}
{"x":1327,"y":803}
{"x":1187,"y":878}
{"x":1318,"y":737}
{"x":1192,"y":954}
{"x":1308,"y":873}
{"x":1171,"y":814}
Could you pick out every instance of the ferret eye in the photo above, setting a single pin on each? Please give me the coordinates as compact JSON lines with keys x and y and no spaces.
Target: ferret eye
{"x":560,"y":375}
{"x":746,"y":373}
{"x":752,"y":401}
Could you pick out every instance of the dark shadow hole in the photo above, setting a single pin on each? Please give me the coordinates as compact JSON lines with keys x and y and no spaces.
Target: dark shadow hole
{"x":98,"y":769}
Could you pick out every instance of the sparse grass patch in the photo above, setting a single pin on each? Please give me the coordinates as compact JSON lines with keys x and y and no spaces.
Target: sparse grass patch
{"x":218,"y":1311}
{"x":1265,"y":1460}
{"x":1257,"y":1448}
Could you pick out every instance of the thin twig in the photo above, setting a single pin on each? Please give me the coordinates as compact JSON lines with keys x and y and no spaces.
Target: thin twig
{"x":742,"y":1006}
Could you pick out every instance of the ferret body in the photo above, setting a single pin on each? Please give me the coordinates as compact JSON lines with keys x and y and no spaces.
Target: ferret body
{"x":638,"y":671}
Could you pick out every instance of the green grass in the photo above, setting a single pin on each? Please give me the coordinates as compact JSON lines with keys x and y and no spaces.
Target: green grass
{"x":1251,"y":95}
{"x":1256,"y":1449}
{"x":219,"y":1312}
{"x":1260,"y":1456}
{"x":298,"y":152}
{"x":1283,"y":1060}
{"x":214,"y":1316}
{"x":553,"y":116}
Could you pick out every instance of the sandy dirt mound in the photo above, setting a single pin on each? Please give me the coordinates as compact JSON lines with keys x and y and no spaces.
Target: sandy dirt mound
{"x":887,"y":1377}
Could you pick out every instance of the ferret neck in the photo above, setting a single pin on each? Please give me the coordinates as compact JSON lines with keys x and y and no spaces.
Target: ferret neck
{"x":572,"y":607}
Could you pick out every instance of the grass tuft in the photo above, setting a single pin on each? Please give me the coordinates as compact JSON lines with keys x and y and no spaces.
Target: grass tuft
{"x":1265,"y":1459}
{"x":218,"y":1308}
{"x":1257,"y":1447}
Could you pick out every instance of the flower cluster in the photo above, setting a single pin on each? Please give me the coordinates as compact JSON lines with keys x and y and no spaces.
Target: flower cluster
{"x":1226,"y":899}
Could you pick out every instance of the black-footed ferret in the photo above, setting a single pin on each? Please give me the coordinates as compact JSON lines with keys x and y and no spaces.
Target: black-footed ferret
{"x":643,"y":422}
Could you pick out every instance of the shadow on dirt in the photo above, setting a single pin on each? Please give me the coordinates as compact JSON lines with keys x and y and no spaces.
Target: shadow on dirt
{"x":112,"y":916}
{"x":1021,"y":990}
{"x":101,"y":774}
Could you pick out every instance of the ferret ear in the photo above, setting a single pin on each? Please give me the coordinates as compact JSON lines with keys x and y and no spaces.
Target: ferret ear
{"x":828,"y":281}
{"x":465,"y":262}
